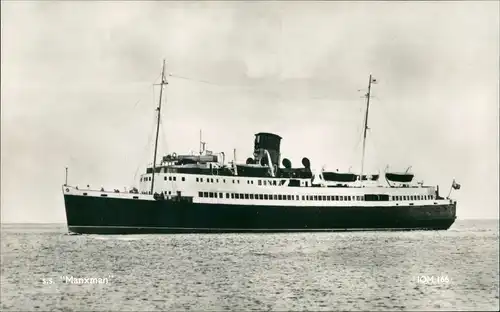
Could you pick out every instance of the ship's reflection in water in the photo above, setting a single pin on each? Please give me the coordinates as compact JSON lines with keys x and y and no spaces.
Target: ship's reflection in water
{"x":445,"y":270}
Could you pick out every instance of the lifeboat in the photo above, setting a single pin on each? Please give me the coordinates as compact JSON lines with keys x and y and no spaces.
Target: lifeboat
{"x":339,"y":176}
{"x":399,"y":177}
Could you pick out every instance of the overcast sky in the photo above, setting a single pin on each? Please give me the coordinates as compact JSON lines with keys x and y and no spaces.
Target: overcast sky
{"x":77,"y":90}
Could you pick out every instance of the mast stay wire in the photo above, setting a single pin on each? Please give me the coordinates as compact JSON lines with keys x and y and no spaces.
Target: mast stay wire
{"x":142,"y":97}
{"x":254,"y":88}
{"x":374,"y":144}
{"x":359,"y":134}
{"x":251,"y":88}
{"x":163,"y":134}
{"x":198,"y":80}
{"x":145,"y":149}
{"x":147,"y":146}
{"x":359,"y":130}
{"x":391,"y":122}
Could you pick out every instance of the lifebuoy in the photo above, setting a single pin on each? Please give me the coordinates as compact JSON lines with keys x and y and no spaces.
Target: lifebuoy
{"x":67,"y":190}
{"x":174,"y":155}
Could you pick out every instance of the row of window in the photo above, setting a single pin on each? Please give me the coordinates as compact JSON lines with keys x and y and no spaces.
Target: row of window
{"x":164,"y":192}
{"x":303,"y":197}
{"x":236,"y":181}
{"x":164,"y":178}
{"x":174,"y":178}
{"x":412,"y":197}
{"x":248,"y":196}
{"x":212,"y":180}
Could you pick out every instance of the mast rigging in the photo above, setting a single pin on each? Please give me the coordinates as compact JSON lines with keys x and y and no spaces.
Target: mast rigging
{"x":370,"y":81}
{"x":163,"y":82}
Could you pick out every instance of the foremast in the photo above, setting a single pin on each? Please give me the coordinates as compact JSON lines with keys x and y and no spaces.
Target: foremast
{"x":163,"y":82}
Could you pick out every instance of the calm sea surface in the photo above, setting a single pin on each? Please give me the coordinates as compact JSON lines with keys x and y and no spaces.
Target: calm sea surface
{"x":44,"y":269}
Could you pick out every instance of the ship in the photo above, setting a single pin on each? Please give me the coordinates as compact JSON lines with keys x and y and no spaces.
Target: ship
{"x":203,"y":193}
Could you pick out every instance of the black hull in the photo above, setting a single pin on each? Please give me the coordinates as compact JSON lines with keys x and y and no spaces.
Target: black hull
{"x":101,"y":215}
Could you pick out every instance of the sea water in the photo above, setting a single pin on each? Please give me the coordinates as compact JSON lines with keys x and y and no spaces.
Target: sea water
{"x":43,"y":268}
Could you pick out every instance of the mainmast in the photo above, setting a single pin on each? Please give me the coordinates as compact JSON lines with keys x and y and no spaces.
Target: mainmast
{"x":163,"y":82}
{"x":370,"y":81}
